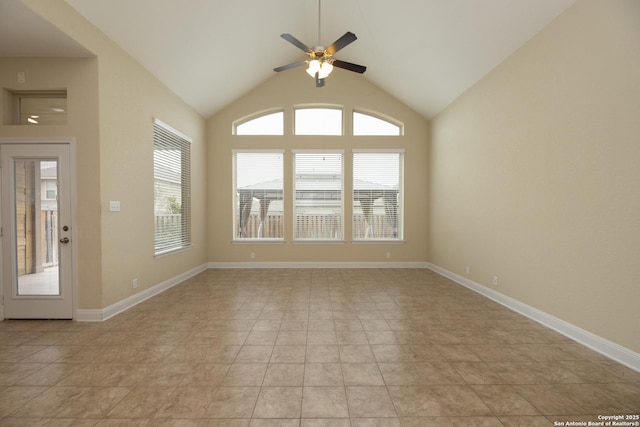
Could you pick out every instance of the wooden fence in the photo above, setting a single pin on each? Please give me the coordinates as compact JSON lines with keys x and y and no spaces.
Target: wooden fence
{"x":319,"y":227}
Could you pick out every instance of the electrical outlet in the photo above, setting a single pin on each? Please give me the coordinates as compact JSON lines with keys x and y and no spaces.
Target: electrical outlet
{"x":388,"y":255}
{"x":467,"y":270}
{"x":253,"y":255}
{"x":495,"y":280}
{"x":135,"y":283}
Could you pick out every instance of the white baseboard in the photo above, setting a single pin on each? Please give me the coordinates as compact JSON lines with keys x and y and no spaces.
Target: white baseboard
{"x":99,"y":315}
{"x":605,"y":347}
{"x":214,"y":265}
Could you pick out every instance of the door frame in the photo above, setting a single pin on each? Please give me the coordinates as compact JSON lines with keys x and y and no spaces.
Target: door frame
{"x":71,"y":142}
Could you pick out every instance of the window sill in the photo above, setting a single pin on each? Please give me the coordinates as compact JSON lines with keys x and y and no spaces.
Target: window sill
{"x":172,"y":251}
{"x":318,"y":242}
{"x":258,"y":241}
{"x":378,"y":242}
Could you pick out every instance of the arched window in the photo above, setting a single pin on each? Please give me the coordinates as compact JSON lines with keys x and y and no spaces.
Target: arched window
{"x":366,"y":124}
{"x":265,"y":124}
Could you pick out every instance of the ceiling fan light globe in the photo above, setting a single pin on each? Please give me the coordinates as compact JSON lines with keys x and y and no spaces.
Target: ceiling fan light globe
{"x":325,"y":70}
{"x":314,"y":67}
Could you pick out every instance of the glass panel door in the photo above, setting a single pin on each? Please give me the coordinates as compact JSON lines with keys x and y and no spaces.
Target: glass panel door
{"x":36,"y":224}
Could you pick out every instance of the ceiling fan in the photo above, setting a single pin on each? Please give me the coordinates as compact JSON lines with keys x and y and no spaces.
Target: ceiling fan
{"x":321,"y":61}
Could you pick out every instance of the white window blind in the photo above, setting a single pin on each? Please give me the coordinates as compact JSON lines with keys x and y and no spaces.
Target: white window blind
{"x":318,"y":195}
{"x":377,"y":195}
{"x":172,"y":188}
{"x":258,"y":191}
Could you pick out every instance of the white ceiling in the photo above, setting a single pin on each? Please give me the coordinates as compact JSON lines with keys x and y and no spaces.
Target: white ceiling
{"x":25,"y":33}
{"x":209,"y":52}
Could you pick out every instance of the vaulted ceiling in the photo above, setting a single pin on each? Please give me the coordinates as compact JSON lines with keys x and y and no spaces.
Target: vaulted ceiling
{"x":426,"y":53}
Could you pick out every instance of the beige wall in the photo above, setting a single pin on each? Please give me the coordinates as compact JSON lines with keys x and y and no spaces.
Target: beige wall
{"x":128,"y":98}
{"x":535,"y":177}
{"x":294,"y":87}
{"x":80,"y":77}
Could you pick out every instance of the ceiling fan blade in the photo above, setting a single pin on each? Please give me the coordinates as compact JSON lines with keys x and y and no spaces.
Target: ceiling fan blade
{"x":288,"y":66}
{"x":349,"y":66}
{"x":294,"y":41}
{"x":342,"y":42}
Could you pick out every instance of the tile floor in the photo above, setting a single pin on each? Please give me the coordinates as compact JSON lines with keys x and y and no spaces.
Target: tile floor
{"x":307,"y":348}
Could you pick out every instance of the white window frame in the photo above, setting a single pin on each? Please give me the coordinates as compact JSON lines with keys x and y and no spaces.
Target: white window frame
{"x":166,"y":136}
{"x":400,"y":198}
{"x":339,"y":238}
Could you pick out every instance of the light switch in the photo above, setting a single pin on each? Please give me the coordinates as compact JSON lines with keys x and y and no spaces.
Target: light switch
{"x":114,"y":206}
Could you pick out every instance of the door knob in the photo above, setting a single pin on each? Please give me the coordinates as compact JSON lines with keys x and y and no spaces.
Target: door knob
{"x":64,"y":240}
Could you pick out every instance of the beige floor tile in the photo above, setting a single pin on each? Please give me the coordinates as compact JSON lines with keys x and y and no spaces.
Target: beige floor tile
{"x":245,"y":374}
{"x":369,"y":401}
{"x":261,"y":338}
{"x":278,"y":402}
{"x":325,"y":422}
{"x":15,"y":397}
{"x":475,"y":422}
{"x":426,"y":422}
{"x":232,"y":402}
{"x":362,"y":374}
{"x":390,"y":353}
{"x":141,"y":402}
{"x":504,"y":400}
{"x":49,"y":402}
{"x":247,"y":348}
{"x":381,"y":337}
{"x":400,"y":374}
{"x":95,"y":403}
{"x":254,"y":354}
{"x":352,"y":338}
{"x":322,"y":354}
{"x":375,"y":422}
{"x":323,"y":374}
{"x":552,"y":399}
{"x":292,"y":338}
{"x":321,"y":338}
{"x":288,"y":354}
{"x":438,"y":372}
{"x":324,"y":402}
{"x":356,"y":354}
{"x":186,"y":402}
{"x":205,"y":375}
{"x":284,"y":374}
{"x":256,"y":422}
{"x":224,"y":423}
{"x":48,"y":375}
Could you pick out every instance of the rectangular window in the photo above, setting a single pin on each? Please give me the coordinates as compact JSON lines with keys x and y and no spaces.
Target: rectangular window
{"x":377,"y":195}
{"x":318,"y":191}
{"x":172,"y":188}
{"x":258,"y":192}
{"x":318,"y":121}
